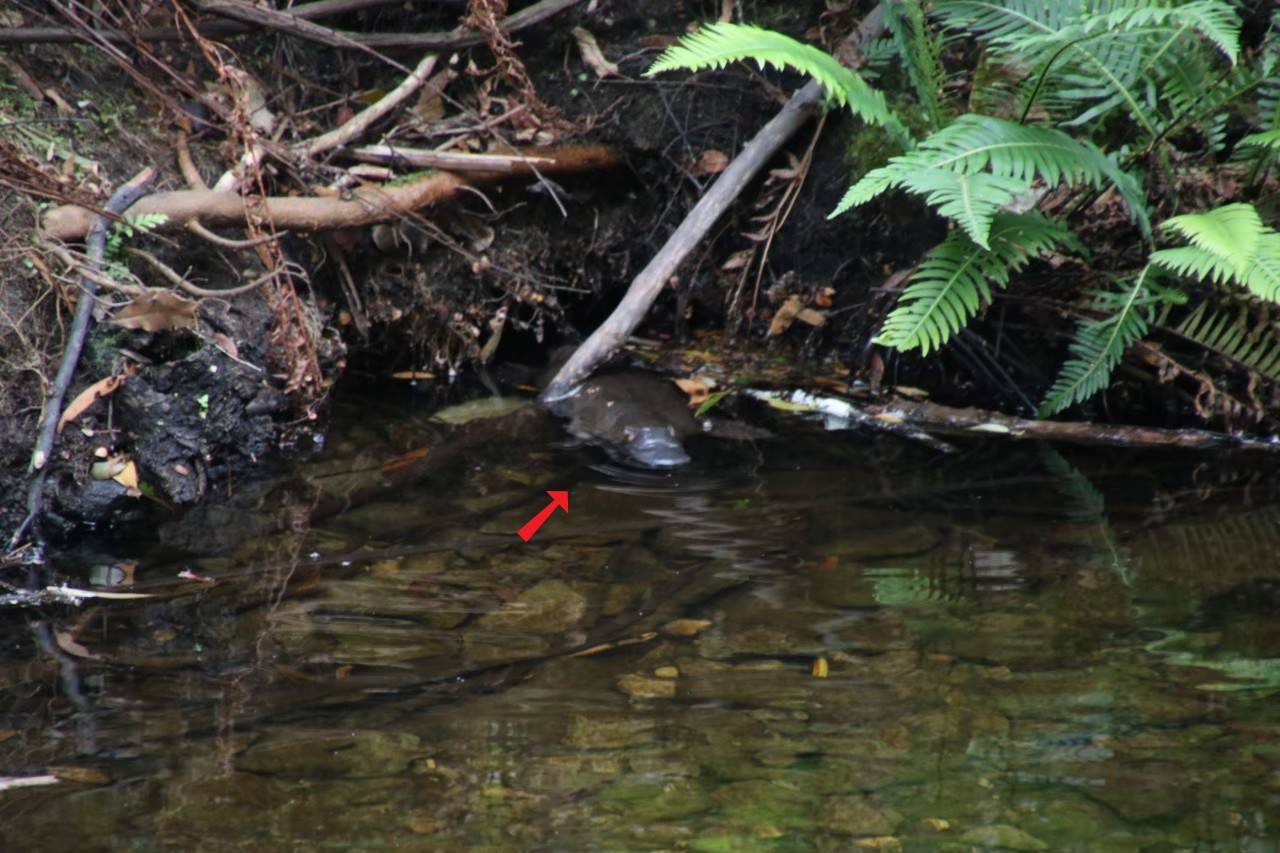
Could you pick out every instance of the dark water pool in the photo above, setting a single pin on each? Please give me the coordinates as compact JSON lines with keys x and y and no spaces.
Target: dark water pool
{"x":825,"y":643}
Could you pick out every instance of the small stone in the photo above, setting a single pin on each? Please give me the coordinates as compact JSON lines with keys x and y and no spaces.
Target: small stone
{"x":643,"y":687}
{"x":1003,"y":835}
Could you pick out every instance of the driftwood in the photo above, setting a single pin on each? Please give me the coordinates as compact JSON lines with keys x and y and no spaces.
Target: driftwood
{"x":364,"y":206}
{"x":946,"y":419}
{"x":646,"y":286}
{"x":293,"y":22}
{"x":97,"y":243}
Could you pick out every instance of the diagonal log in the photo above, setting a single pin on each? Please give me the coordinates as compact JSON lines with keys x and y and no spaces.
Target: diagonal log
{"x":646,"y":286}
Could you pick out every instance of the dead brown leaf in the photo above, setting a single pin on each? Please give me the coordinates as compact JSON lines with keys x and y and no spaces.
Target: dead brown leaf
{"x":785,"y":316}
{"x":89,"y":396}
{"x":686,"y":627}
{"x":157,"y":310}
{"x":698,"y":389}
{"x":812,"y":317}
{"x":738,"y":260}
{"x":67,"y":643}
{"x":592,"y":56}
{"x":711,"y":162}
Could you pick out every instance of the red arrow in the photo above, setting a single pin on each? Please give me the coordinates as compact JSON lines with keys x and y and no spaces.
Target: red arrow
{"x":558,"y":499}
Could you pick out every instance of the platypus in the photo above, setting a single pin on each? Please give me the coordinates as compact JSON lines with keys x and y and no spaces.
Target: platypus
{"x":638,"y":418}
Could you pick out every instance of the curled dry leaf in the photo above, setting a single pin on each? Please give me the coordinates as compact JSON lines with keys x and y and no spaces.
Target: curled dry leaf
{"x":592,"y":56}
{"x":89,"y":396}
{"x":785,"y":316}
{"x":157,"y":310}
{"x":128,"y":476}
{"x":698,"y":388}
{"x":710,"y":162}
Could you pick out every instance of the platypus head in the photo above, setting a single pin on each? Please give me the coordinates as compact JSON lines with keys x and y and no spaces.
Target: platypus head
{"x":654,"y":447}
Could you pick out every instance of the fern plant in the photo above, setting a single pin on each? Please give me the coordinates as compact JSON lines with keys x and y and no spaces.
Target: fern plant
{"x":1229,"y":245}
{"x":1097,"y":56}
{"x":1236,"y":335}
{"x":978,"y":165}
{"x":716,"y":45}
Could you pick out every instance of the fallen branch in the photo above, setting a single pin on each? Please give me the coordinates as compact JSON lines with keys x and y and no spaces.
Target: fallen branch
{"x":454,"y":161}
{"x":361,"y":121}
{"x":947,"y":419}
{"x":96,"y":242}
{"x":364,"y":206}
{"x":454,"y":39}
{"x":646,"y":286}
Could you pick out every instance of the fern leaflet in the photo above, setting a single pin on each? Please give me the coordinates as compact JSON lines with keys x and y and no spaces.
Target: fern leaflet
{"x":718,"y":44}
{"x":1009,"y":155}
{"x":1228,"y":244}
{"x":951,"y":285}
{"x":1099,"y":344}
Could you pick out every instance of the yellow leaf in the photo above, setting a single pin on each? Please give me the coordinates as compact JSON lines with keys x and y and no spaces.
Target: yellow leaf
{"x":821,"y":668}
{"x":128,"y":475}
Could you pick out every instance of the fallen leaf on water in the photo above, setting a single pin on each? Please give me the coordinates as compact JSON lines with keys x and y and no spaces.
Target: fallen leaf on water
{"x":157,"y":311}
{"x":404,"y":460}
{"x":87,"y":775}
{"x":592,"y":56}
{"x":89,"y":396}
{"x":686,"y":627}
{"x":698,"y":388}
{"x":711,"y":402}
{"x":68,"y":644}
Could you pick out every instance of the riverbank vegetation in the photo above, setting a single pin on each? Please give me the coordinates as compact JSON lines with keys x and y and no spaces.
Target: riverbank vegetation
{"x":1035,"y":209}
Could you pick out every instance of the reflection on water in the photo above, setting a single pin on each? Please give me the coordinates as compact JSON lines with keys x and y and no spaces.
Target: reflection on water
{"x":825,"y":644}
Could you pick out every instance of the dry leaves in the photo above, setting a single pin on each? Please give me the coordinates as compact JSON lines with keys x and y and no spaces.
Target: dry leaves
{"x":793,"y":309}
{"x":710,"y":162}
{"x":592,"y":56}
{"x":89,"y":396}
{"x":157,"y":310}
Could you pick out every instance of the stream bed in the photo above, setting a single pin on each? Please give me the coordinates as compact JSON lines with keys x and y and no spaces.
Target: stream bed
{"x":821,"y":642}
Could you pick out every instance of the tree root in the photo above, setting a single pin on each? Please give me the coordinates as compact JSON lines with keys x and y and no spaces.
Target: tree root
{"x":364,"y":206}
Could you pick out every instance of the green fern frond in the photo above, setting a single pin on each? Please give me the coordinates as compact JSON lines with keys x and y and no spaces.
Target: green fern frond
{"x":918,"y":50}
{"x":1228,"y":244}
{"x":1240,"y":336}
{"x":1012,"y":154}
{"x":1101,"y":57}
{"x":718,"y":44}
{"x":1099,"y":345}
{"x":1266,"y":139}
{"x":951,"y":284}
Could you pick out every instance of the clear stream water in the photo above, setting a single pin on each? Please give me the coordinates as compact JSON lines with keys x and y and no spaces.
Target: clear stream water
{"x":821,"y":643}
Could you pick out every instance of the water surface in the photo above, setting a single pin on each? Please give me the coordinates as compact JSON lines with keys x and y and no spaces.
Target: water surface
{"x":821,"y":643}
